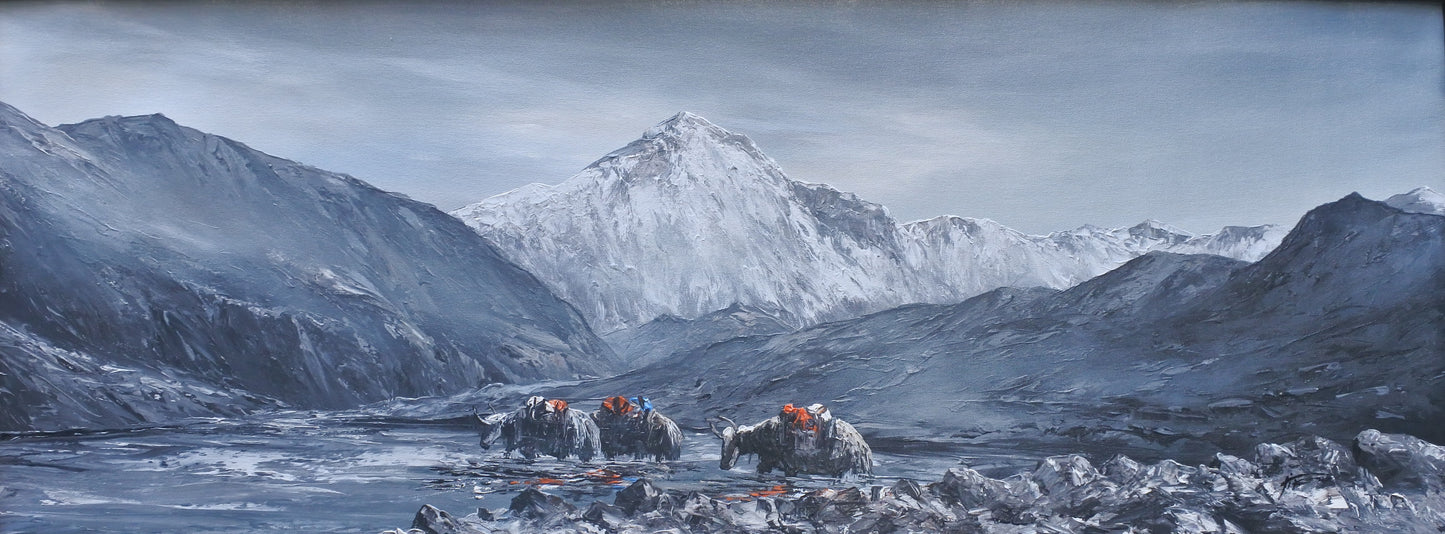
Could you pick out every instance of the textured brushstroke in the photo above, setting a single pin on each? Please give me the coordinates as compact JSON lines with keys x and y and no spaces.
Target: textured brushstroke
{"x":167,"y":252}
{"x":1341,"y":327}
{"x":692,"y":218}
{"x":1307,"y":485}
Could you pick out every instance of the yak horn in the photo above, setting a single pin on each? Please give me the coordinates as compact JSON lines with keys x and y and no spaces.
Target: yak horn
{"x":711,"y":425}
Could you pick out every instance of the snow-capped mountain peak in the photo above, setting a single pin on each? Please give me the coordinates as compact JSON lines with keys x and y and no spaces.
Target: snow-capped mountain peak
{"x":687,"y":138}
{"x":692,"y":218}
{"x":1419,"y":200}
{"x":685,"y":123}
{"x":1155,"y":229}
{"x":674,"y":163}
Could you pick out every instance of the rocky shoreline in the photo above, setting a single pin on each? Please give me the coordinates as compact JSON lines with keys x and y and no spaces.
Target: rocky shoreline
{"x":1380,"y":483}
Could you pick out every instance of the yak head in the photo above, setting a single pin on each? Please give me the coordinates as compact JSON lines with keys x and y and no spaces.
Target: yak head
{"x":490,"y":428}
{"x":730,"y":443}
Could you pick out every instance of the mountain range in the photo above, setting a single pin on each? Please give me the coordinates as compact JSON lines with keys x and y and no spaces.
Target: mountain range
{"x":150,"y":271}
{"x":1340,"y":327}
{"x":692,"y":218}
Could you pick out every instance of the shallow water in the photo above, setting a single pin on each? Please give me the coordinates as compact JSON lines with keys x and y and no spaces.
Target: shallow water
{"x":318,"y":473}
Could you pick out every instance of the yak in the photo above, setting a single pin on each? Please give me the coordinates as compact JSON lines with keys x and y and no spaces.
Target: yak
{"x":632,"y":427}
{"x":798,"y":440}
{"x":543,"y":426}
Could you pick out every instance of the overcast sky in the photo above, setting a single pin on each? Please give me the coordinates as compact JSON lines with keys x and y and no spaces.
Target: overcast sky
{"x":1041,"y":116}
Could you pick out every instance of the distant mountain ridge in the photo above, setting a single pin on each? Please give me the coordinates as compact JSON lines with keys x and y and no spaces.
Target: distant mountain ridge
{"x":1419,"y":200}
{"x":692,"y":218}
{"x":150,"y":271}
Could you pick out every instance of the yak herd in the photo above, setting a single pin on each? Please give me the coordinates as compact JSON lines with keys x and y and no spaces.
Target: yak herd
{"x":796,"y":441}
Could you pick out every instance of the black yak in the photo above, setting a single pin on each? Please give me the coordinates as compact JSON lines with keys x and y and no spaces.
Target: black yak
{"x":799,"y":440}
{"x":543,"y":426}
{"x":634,"y":428}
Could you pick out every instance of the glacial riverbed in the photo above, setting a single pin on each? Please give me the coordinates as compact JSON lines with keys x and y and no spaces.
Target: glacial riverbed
{"x":318,"y":472}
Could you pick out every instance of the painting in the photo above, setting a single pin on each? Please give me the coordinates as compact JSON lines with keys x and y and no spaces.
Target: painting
{"x":454,"y":267}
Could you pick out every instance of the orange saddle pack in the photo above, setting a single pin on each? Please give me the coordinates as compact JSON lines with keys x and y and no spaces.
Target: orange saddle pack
{"x":799,"y":417}
{"x":617,"y":405}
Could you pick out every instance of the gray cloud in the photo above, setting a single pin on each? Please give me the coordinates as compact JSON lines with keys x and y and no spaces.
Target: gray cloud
{"x":1042,"y":116}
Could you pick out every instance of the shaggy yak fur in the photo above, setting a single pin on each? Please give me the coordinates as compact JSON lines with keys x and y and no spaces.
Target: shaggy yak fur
{"x":799,"y":440}
{"x":543,"y":426}
{"x":634,"y":428}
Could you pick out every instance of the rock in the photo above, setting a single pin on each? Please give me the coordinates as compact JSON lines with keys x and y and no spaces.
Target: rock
{"x":1309,"y":457}
{"x":1325,"y":456}
{"x":1402,"y":462}
{"x":609,"y":517}
{"x":1194,"y":522}
{"x":1234,"y":466}
{"x":908,"y":488}
{"x":906,"y":506}
{"x":759,"y":515}
{"x":699,"y":512}
{"x":1121,"y":469}
{"x":641,"y":496}
{"x":1072,"y":485}
{"x":1170,"y":473}
{"x":433,"y":520}
{"x":533,"y":504}
{"x":1273,"y":458}
{"x":967,"y":488}
{"x":1309,"y":485}
{"x":830,"y":506}
{"x":1060,"y":475}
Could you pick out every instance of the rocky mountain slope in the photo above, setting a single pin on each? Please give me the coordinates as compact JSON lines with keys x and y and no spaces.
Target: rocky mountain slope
{"x":692,"y":218}
{"x":667,"y":335}
{"x":148,"y":270}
